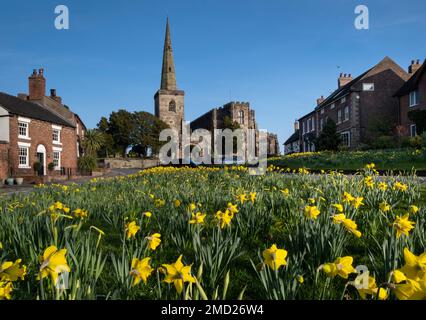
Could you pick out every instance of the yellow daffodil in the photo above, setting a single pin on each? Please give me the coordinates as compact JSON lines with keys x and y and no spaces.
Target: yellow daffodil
{"x":253,"y":196}
{"x":53,"y":262}
{"x":285,"y":192}
{"x":370,"y":166}
{"x":197,"y":218}
{"x":339,"y":207}
{"x":338,"y":218}
{"x":347,"y":197}
{"x":411,"y":289}
{"x":154,"y":241}
{"x":147,"y":214}
{"x":224,"y":218}
{"x":341,"y":267}
{"x":232,"y":208}
{"x":414,"y":209}
{"x":349,"y":224}
{"x":300,"y":279}
{"x":384,"y":206}
{"x":132,"y":229}
{"x":369,"y":182}
{"x":177,"y":203}
{"x":372,"y":290}
{"x":159,"y":203}
{"x":312,"y":212}
{"x":242,"y":198}
{"x":79,"y":213}
{"x":403,"y":225}
{"x":12,"y":271}
{"x":311,"y":201}
{"x":274,"y":257}
{"x":358,"y":202}
{"x":5,"y":290}
{"x":141,"y":270}
{"x":178,"y":274}
{"x":382,"y":186}
{"x":400,"y":186}
{"x":414,"y":268}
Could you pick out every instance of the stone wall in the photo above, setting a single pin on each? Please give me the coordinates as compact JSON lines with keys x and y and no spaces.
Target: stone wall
{"x":122,"y":163}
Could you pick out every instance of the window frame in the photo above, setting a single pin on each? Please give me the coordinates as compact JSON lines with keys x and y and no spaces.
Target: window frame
{"x":348,"y":134}
{"x":411,"y":130}
{"x":414,"y":98}
{"x":59,"y":134}
{"x":346,"y":114}
{"x":339,"y":116}
{"x":368,"y":87}
{"x":58,"y":166}
{"x":25,"y":165}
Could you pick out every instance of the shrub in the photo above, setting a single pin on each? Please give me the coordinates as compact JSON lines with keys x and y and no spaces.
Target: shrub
{"x":87,"y":162}
{"x":416,"y":142}
{"x":385,"y":142}
{"x":50,"y":166}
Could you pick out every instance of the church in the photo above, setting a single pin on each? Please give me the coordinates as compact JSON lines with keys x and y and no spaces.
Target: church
{"x":170,"y":105}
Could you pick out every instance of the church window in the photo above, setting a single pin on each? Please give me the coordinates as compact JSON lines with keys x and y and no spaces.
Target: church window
{"x":172,"y":106}
{"x":241,"y":117}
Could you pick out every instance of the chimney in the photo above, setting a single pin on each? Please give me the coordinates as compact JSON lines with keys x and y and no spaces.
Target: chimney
{"x":37,"y":85}
{"x":54,"y":96}
{"x":344,"y":79}
{"x":415,"y":65}
{"x":320,"y":100}
{"x":296,"y":126}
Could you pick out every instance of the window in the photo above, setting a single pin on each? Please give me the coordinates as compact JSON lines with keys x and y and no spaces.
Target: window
{"x":23,"y":129}
{"x":23,"y":157}
{"x":303,"y":128}
{"x":241,"y":117}
{"x":172,"y":106}
{"x":346,"y":114}
{"x":414,"y":98}
{"x":346,"y":139}
{"x":368,"y":87}
{"x":56,"y":136}
{"x":321,"y":124}
{"x":308,"y":127}
{"x":322,"y":111}
{"x":313,"y":124}
{"x":339,"y":116}
{"x":57,"y":160}
{"x":333,"y":105}
{"x":413,"y":130}
{"x":343,"y":100}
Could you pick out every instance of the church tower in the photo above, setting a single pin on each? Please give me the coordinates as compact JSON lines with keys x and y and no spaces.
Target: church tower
{"x":169,"y":101}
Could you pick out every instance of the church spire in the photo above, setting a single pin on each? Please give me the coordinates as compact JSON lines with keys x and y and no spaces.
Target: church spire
{"x":168,"y":76}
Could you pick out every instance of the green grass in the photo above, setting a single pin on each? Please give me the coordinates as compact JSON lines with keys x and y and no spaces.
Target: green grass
{"x":386,"y":160}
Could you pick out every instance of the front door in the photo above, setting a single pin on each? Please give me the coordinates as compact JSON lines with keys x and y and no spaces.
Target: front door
{"x":40,"y":157}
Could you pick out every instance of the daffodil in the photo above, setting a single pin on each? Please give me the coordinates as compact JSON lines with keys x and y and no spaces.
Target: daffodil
{"x":147,"y":214}
{"x":300,"y":279}
{"x":53,"y":262}
{"x":411,"y":289}
{"x":382,"y":186}
{"x":285,"y":192}
{"x":338,"y":207}
{"x":141,"y":270}
{"x":384,"y":206}
{"x":312,"y":212}
{"x":12,"y":271}
{"x":371,"y":290}
{"x":178,"y":274}
{"x":253,"y":196}
{"x":414,"y":209}
{"x":224,"y":218}
{"x":358,"y":202}
{"x":403,"y":225}
{"x":242,"y":198}
{"x":414,"y":268}
{"x":369,"y":182}
{"x":176,"y":203}
{"x":232,"y":208}
{"x":154,"y":241}
{"x":274,"y":257}
{"x":132,"y":229}
{"x":341,"y":267}
{"x":5,"y":290}
{"x":347,"y":197}
{"x":339,"y":218}
{"x":79,"y":213}
{"x":352,"y":227}
{"x":192,"y":207}
{"x":400,"y":186}
{"x":197,"y":218}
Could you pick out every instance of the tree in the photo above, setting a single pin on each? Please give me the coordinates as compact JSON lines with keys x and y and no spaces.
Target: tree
{"x":146,"y":132}
{"x":108,"y":147}
{"x":329,"y":139}
{"x":121,"y":128}
{"x":93,"y":141}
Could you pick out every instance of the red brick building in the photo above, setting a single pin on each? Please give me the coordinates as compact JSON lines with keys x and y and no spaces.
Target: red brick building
{"x":412,"y":96}
{"x":36,"y":128}
{"x":359,"y":106}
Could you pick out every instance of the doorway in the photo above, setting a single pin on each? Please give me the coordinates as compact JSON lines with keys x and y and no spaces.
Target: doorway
{"x":41,"y":158}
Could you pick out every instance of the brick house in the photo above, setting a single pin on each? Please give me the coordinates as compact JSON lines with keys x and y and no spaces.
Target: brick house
{"x":412,"y":96}
{"x":359,"y":106}
{"x":292,"y":144}
{"x":36,"y":128}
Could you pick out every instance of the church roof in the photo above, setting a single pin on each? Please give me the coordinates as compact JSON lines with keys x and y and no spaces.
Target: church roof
{"x":168,"y":75}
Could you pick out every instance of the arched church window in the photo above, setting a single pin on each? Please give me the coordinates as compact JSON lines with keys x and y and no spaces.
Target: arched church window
{"x":172,"y":106}
{"x":241,"y":117}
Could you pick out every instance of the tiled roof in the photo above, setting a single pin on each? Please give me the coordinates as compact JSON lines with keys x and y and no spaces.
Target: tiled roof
{"x":412,"y":83}
{"x":29,"y":109}
{"x":293,"y":138}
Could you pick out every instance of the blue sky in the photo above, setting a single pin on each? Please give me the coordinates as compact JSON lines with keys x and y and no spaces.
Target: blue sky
{"x":279,"y":55}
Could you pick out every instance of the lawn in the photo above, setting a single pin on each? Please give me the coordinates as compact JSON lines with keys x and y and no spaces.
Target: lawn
{"x":397,"y":160}
{"x":214,"y":233}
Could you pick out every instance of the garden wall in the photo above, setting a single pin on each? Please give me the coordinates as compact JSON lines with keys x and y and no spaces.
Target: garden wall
{"x":122,"y":163}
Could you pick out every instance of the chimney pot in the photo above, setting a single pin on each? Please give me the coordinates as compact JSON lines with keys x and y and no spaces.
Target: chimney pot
{"x":412,"y":61}
{"x":418,"y":61}
{"x":53,"y":93}
{"x":40,"y":72}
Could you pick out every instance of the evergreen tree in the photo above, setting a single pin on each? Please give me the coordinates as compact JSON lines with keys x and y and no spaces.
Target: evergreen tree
{"x":329,"y":139}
